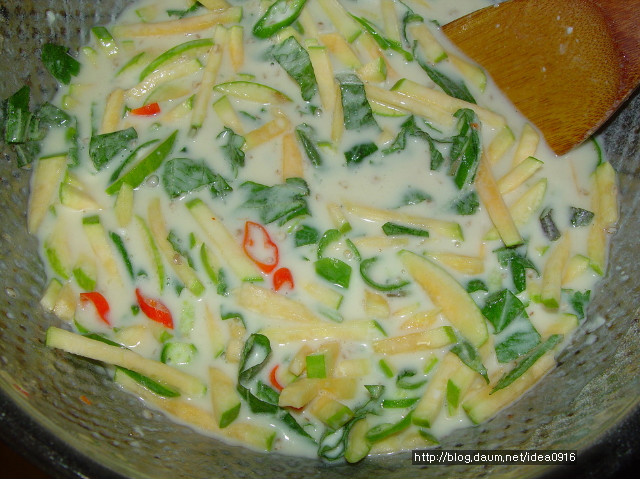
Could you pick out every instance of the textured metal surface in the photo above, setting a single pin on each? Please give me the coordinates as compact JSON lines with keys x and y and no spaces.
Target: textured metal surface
{"x":584,"y":400}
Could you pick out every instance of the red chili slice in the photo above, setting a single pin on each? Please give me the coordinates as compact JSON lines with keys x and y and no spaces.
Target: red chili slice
{"x":155,"y":310}
{"x":100,"y":303}
{"x":259,"y":247}
{"x":283,"y":278}
{"x":274,"y":379}
{"x":147,"y":110}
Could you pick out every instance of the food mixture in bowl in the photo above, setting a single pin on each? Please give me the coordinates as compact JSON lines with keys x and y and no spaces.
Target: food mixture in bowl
{"x":306,"y":226}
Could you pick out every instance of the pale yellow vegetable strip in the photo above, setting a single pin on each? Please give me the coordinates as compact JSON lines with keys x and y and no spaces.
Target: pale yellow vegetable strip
{"x":427,"y":42}
{"x":523,"y":209}
{"x":340,"y":19}
{"x":500,"y":144}
{"x":216,"y":332}
{"x":300,"y":393}
{"x":527,"y":144}
{"x":237,"y":333}
{"x":66,"y":303}
{"x":607,"y":195}
{"x":273,"y":305}
{"x":462,"y":263}
{"x":82,"y":346}
{"x":447,"y":103}
{"x":359,"y":330}
{"x":113,"y":111}
{"x":553,"y":270}
{"x":430,"y":339}
{"x":184,"y":25}
{"x":337,"y":119}
{"x":51,"y":294}
{"x":370,"y":213}
{"x":576,"y":266}
{"x":308,"y":24}
{"x":236,"y":47}
{"x":123,"y":208}
{"x":227,"y":114}
{"x":366,"y":43}
{"x":519,"y":174}
{"x":266,"y":132}
{"x":434,"y":395}
{"x":249,"y":433}
{"x":325,"y":77}
{"x":177,"y":262}
{"x":597,"y":246}
{"x":203,"y":94}
{"x":375,"y":305}
{"x":291,"y":158}
{"x":341,"y":49}
{"x":420,"y":320}
{"x":215,"y":4}
{"x":493,"y":202}
{"x":391,"y":25}
{"x":180,"y":68}
{"x":473,"y":73}
{"x":484,"y":404}
{"x":410,"y":104}
{"x":45,"y":184}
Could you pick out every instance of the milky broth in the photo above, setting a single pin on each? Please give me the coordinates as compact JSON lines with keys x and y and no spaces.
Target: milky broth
{"x":380,"y":181}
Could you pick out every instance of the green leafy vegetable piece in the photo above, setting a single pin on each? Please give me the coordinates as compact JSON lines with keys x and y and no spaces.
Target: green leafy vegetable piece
{"x":450,"y":87}
{"x":103,"y":148}
{"x":59,"y":63}
{"x":414,"y":196}
{"x":183,"y":13}
{"x":399,"y":403}
{"x":465,"y":149}
{"x":328,"y":237}
{"x":355,"y":106}
{"x":17,"y":116}
{"x":357,"y":153}
{"x":306,"y":235}
{"x":528,"y":361}
{"x":548,"y":226}
{"x":476,"y":285}
{"x":406,"y":380}
{"x":409,"y":128}
{"x":409,"y":17}
{"x":296,"y":62}
{"x":467,"y":204}
{"x":579,"y":301}
{"x":501,"y":308}
{"x":280,"y":14}
{"x":365,"y":272}
{"x":122,"y":249}
{"x":232,"y":149}
{"x":306,"y":136}
{"x":150,"y":163}
{"x":509,"y":257}
{"x":384,"y":430}
{"x":392,"y":229}
{"x":255,"y":355}
{"x":515,"y":335}
{"x":383,"y":42}
{"x":469,"y":355}
{"x":280,"y":202}
{"x":334,"y":271}
{"x":580,"y":217}
{"x":183,"y":175}
{"x":132,"y":156}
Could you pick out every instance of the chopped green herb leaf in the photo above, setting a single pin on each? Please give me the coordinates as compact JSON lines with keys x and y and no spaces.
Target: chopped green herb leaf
{"x":465,"y":149}
{"x":183,"y":175}
{"x":103,"y":148}
{"x":306,"y":136}
{"x":450,"y":87}
{"x":467,"y":204}
{"x":509,"y":257}
{"x":306,"y":235}
{"x":233,"y":149}
{"x":409,"y":127}
{"x":470,"y":356}
{"x":549,"y":227}
{"x":357,"y":153}
{"x":391,"y":229}
{"x":59,"y":63}
{"x":580,"y":217}
{"x":280,"y":202}
{"x":334,"y":271}
{"x":356,"y":109}
{"x":296,"y":62}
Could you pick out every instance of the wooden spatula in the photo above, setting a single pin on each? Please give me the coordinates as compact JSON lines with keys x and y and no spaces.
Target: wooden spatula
{"x":567,"y":65}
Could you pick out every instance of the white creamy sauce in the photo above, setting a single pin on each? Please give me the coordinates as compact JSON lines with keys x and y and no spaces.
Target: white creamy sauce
{"x":380,"y":181}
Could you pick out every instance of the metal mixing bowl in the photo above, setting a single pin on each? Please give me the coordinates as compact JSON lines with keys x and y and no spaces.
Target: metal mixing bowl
{"x":589,"y":403}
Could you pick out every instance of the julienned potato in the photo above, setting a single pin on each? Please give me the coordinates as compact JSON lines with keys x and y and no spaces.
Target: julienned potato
{"x":306,"y":226}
